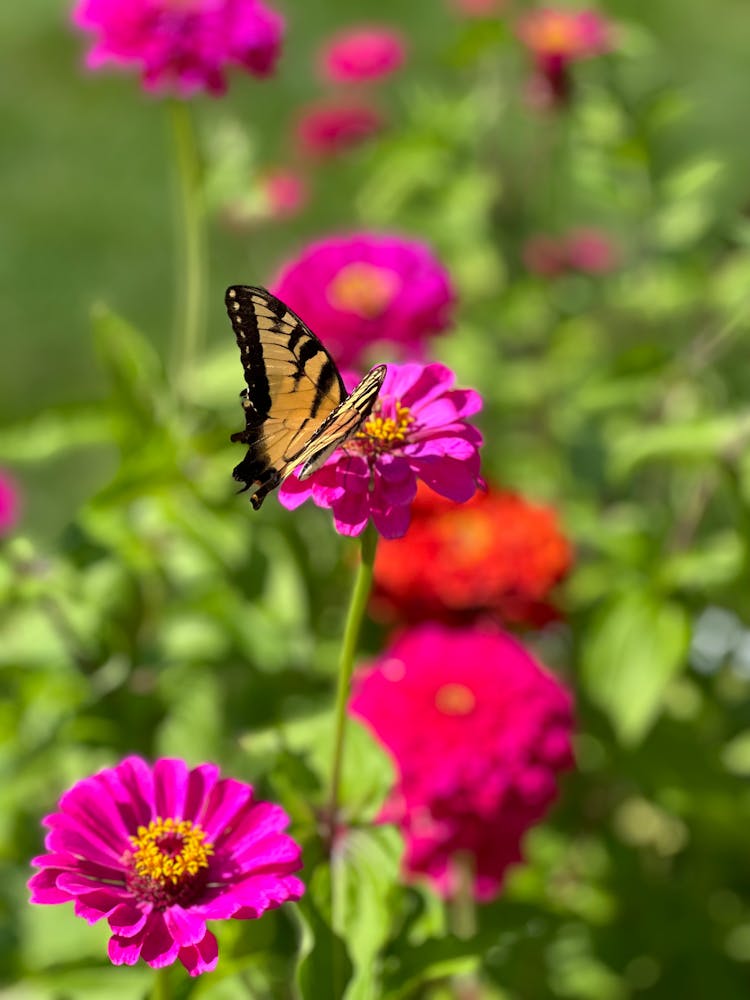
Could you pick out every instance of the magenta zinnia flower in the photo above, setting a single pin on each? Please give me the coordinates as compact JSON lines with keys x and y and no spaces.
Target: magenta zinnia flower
{"x":366,"y":53}
{"x":182,"y":47}
{"x":488,"y":731}
{"x":8,"y":504}
{"x":360,"y":289}
{"x":159,"y":851}
{"x":329,"y":128}
{"x":417,"y":430}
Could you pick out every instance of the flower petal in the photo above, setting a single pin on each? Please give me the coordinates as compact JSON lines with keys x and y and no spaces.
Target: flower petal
{"x":159,"y":948}
{"x":201,"y":957}
{"x":186,"y":926}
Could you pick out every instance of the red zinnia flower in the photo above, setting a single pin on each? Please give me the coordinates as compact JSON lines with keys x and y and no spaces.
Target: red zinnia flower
{"x":366,"y":53}
{"x":478,"y":732}
{"x":495,"y":554}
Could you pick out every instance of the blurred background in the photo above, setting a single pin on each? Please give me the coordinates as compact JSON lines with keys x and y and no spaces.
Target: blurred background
{"x":598,"y":239}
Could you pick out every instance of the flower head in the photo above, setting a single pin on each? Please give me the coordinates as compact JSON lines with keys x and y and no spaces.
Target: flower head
{"x":182,"y":47}
{"x":417,"y":430}
{"x":159,"y":851}
{"x":334,"y":126}
{"x":557,"y":37}
{"x":488,"y":731}
{"x":585,"y":250}
{"x":497,"y":554}
{"x":366,"y":53}
{"x":364,"y":288}
{"x":9,"y":506}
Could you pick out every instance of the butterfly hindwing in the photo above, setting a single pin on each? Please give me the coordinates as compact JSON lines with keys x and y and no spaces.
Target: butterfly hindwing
{"x":296,"y":407}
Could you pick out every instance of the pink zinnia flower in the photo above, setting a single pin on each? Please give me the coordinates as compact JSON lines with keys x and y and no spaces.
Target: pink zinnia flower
{"x":9,"y":506}
{"x":159,"y":851}
{"x":365,"y":53}
{"x":332,"y":127}
{"x":417,"y":430}
{"x":365,"y":288}
{"x":556,"y":37}
{"x":488,"y":731}
{"x":544,"y":255}
{"x":184,"y":46}
{"x":591,"y":251}
{"x":285,"y":191}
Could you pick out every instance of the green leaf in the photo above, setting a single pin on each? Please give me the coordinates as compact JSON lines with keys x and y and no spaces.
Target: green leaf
{"x":325,"y":969}
{"x":131,"y":362}
{"x":366,"y":868}
{"x":55,"y":431}
{"x":693,"y":441}
{"x":634,"y":648}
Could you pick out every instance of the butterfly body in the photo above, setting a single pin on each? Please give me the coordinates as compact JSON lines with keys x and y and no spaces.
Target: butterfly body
{"x":297,"y":410}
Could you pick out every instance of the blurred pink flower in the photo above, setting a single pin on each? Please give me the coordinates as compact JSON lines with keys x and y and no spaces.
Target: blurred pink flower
{"x":365,"y":53}
{"x":9,"y":504}
{"x":544,"y":255}
{"x":587,"y":250}
{"x":360,"y":289}
{"x":160,"y":850}
{"x":286,"y":192}
{"x":556,"y":37}
{"x":418,"y":430}
{"x":591,"y":250}
{"x":332,"y":127}
{"x":182,"y":46}
{"x":477,"y":762}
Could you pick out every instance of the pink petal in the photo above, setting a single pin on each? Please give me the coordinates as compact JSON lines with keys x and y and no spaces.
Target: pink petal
{"x":448,"y":477}
{"x":124,"y":951}
{"x":43,"y":889}
{"x":351,"y":514}
{"x":202,"y":957}
{"x":96,"y":905}
{"x":170,"y":787}
{"x":201,"y":781}
{"x":186,"y":926}
{"x":228,"y":798}
{"x":126,"y":920}
{"x":266,"y":892}
{"x":293,"y":493}
{"x":257,"y":823}
{"x":394,"y":482}
{"x":392,"y":522}
{"x":159,"y":949}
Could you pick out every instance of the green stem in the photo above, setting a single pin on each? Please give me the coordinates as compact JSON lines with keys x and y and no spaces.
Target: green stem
{"x":191,"y":271}
{"x":357,"y":605}
{"x":161,"y":990}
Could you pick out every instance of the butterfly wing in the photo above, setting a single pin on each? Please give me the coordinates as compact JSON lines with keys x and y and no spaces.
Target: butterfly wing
{"x":294,"y":393}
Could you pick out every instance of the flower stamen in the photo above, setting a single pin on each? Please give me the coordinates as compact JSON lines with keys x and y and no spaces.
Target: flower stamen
{"x":169,"y":858}
{"x":380,"y":434}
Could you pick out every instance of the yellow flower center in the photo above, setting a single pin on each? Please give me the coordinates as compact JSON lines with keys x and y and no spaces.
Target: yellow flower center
{"x":557,"y":33}
{"x":363,"y":289}
{"x":380,"y":434}
{"x":170,"y":852}
{"x":454,"y":699}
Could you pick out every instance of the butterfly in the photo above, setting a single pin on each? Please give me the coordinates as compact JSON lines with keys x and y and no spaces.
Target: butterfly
{"x":297,"y":411}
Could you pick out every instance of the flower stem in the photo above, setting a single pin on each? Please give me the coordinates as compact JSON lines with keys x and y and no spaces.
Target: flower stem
{"x":162,"y":989}
{"x":355,"y":614}
{"x":190,"y":225}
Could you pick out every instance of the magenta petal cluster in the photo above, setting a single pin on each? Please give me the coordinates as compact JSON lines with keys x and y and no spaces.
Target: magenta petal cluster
{"x":9,"y":505}
{"x":366,"y":53}
{"x":182,"y":47}
{"x":488,"y":732}
{"x":360,"y":289}
{"x":160,"y":850}
{"x":418,"y":430}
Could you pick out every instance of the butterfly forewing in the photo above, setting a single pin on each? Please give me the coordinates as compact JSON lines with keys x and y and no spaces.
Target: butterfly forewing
{"x":296,"y":407}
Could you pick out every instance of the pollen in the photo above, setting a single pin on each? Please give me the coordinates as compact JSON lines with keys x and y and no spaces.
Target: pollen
{"x":455,"y":699}
{"x":169,"y":852}
{"x":383,"y":433}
